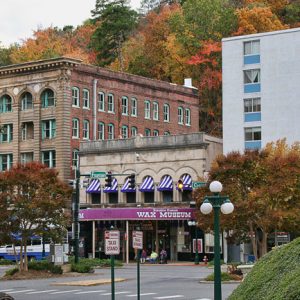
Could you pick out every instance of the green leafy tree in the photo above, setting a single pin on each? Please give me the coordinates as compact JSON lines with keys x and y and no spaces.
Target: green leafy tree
{"x":32,"y":202}
{"x":116,"y":21}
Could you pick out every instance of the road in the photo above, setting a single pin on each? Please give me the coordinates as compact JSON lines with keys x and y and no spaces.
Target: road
{"x":157,"y":282}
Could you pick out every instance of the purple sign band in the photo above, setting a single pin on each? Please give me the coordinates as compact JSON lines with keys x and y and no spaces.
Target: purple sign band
{"x":137,"y":214}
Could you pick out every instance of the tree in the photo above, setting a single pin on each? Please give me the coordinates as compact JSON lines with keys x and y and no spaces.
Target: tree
{"x":32,"y":202}
{"x":116,"y":21}
{"x":265,"y":190}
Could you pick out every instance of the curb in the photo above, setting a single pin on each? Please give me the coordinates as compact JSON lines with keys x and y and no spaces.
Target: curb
{"x":87,"y":282}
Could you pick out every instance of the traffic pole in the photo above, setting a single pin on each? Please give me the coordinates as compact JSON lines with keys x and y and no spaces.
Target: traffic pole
{"x":112,"y":263}
{"x":138,"y":275}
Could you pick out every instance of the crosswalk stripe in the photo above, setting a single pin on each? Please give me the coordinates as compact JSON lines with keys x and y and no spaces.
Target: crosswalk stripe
{"x":41,"y":292}
{"x":64,"y":292}
{"x":145,"y":294}
{"x":3,"y":291}
{"x":169,"y":297}
{"x":23,"y":291}
{"x":89,"y":292}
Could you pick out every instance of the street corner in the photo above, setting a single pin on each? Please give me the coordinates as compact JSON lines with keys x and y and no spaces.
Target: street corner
{"x":88,"y":282}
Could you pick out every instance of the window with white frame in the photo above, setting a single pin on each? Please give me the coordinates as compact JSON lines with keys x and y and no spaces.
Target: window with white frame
{"x":252,"y":76}
{"x":155,"y":111}
{"x":252,"y":134}
{"x":49,"y":158}
{"x":48,"y":129}
{"x":111,"y":131}
{"x":252,"y":105}
{"x":124,"y":106}
{"x":5,"y":104}
{"x":27,"y":131}
{"x":47,"y":98}
{"x":110,"y":103}
{"x":180,"y":115}
{"x":26,"y":101}
{"x":75,"y":160}
{"x":124,"y":132}
{"x":101,"y":131}
{"x":6,"y":161}
{"x":133,"y":131}
{"x":101,"y":101}
{"x":26,"y":157}
{"x":75,"y":128}
{"x":167,"y":133}
{"x":166,"y":113}
{"x":187,"y":117}
{"x":86,"y":129}
{"x":133,"y":107}
{"x":86,"y":98}
{"x":75,"y":97}
{"x":210,"y":242}
{"x":6,"y":133}
{"x":147,"y":132}
{"x":147,"y":109}
{"x":251,"y":47}
{"x":155,"y":132}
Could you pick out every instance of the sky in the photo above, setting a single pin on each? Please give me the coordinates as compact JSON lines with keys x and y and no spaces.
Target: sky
{"x":19,"y":18}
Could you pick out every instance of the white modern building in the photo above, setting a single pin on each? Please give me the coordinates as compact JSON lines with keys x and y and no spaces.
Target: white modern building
{"x":261,"y":89}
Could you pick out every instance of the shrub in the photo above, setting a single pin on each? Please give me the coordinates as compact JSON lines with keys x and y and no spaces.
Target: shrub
{"x":56,"y":269}
{"x":224,"y":277}
{"x":39,"y":265}
{"x":81,"y":268}
{"x":6,"y":262}
{"x":275,"y":276}
{"x":11,"y":272}
{"x":96,"y":262}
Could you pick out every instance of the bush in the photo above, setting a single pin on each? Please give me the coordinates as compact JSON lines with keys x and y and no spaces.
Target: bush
{"x":81,"y":268}
{"x":44,"y":265}
{"x":6,"y":262}
{"x":96,"y":262}
{"x":275,"y":276}
{"x":224,"y":277}
{"x":11,"y":272}
{"x":56,"y":269}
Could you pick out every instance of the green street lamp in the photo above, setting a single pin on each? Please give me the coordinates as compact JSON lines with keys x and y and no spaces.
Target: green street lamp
{"x":217,"y":203}
{"x":194,"y":223}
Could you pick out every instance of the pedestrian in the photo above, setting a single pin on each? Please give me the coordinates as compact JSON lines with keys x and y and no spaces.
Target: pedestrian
{"x":143,"y":256}
{"x":153,"y":257}
{"x":163,"y":256}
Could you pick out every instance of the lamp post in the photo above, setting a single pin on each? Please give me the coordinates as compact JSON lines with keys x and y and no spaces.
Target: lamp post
{"x":217,"y":202}
{"x":194,"y":223}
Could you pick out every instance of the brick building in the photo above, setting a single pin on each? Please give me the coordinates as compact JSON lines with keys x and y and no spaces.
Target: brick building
{"x":47,"y":107}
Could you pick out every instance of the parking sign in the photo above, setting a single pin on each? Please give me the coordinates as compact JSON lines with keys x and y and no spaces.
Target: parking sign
{"x":112,"y":242}
{"x":137,"y":239}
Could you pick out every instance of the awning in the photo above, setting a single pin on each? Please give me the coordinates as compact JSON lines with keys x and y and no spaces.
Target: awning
{"x":147,"y":185}
{"x":187,"y":182}
{"x":166,"y":184}
{"x":113,"y":188}
{"x":126,"y":189}
{"x":94,"y":187}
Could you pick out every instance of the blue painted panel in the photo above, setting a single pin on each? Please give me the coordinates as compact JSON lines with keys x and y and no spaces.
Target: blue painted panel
{"x":252,"y":145}
{"x":252,"y":88}
{"x":252,"y":59}
{"x":252,"y":117}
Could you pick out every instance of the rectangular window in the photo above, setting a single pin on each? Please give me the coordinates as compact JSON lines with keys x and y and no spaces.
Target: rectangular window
{"x":252,"y":105}
{"x":124,"y":132}
{"x":252,"y":81}
{"x":251,"y":47}
{"x":166,"y":113}
{"x":101,"y":100}
{"x":110,"y":103}
{"x":180,"y":115}
{"x":133,"y":131}
{"x":49,"y":159}
{"x":48,"y":129}
{"x":5,"y":104}
{"x":155,"y":111}
{"x":86,"y":98}
{"x":75,"y":128}
{"x":26,"y":157}
{"x":111,"y":131}
{"x":124,"y":106}
{"x":147,"y":109}
{"x":6,"y":161}
{"x":75,"y":96}
{"x":6,"y":134}
{"x":253,"y":134}
{"x":75,"y":158}
{"x":86,"y":129}
{"x":133,"y":107}
{"x":187,"y":117}
{"x":27,"y":131}
{"x":100,"y":131}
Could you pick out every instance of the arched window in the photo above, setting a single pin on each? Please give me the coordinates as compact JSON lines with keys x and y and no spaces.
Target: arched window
{"x":111,"y":131}
{"x":155,"y":110}
{"x":110,"y":103}
{"x":147,"y":109}
{"x":26,"y":101}
{"x":166,"y":113}
{"x":75,"y":128}
{"x":167,"y":133}
{"x":187,"y":117}
{"x":133,"y":131}
{"x":124,"y":132}
{"x":155,"y":132}
{"x":86,"y":98}
{"x":47,"y":98}
{"x":101,"y":101}
{"x":124,"y":106}
{"x":101,"y":131}
{"x":147,"y":132}
{"x":5,"y":104}
{"x":180,"y":115}
{"x":133,"y":107}
{"x":86,"y":129}
{"x":75,"y":97}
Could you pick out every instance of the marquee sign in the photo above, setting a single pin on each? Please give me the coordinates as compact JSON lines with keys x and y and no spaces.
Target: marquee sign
{"x":137,"y":214}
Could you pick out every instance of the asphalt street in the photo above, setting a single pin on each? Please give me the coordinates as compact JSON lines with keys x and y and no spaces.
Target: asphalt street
{"x":157,"y":282}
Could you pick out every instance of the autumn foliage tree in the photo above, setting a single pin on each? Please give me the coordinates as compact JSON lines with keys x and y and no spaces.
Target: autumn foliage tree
{"x":265,"y":190}
{"x":32,"y":202}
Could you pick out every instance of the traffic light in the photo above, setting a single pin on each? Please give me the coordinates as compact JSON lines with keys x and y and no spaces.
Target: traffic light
{"x":108,"y":180}
{"x":131,"y":181}
{"x":180,"y":185}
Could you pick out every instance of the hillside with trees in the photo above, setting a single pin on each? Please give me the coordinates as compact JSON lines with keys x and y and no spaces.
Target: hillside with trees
{"x":168,"y":41}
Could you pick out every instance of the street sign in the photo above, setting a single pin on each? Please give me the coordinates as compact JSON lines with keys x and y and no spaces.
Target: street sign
{"x":137,"y":239}
{"x":112,"y":242}
{"x":198,"y":184}
{"x":98,"y":174}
